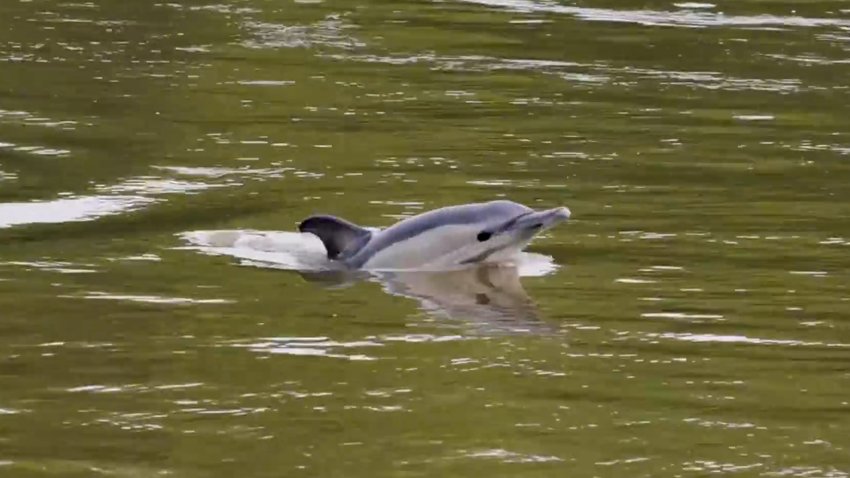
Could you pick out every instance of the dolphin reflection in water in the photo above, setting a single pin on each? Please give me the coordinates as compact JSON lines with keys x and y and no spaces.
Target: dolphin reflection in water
{"x":487,"y":297}
{"x":463,"y":262}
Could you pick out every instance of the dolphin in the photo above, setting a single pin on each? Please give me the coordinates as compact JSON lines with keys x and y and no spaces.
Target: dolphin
{"x":446,"y":238}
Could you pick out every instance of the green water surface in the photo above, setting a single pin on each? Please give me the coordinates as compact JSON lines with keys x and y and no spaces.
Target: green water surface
{"x":698,"y":324}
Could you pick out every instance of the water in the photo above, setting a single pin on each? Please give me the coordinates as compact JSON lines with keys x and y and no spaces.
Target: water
{"x":693,"y":317}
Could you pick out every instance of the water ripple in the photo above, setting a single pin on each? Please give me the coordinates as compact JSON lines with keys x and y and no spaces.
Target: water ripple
{"x":74,"y":209}
{"x":147,"y":299}
{"x":54,"y":266}
{"x":591,"y":73}
{"x":507,"y":456}
{"x":128,"y":195}
{"x":27,"y":118}
{"x":685,"y":18}
{"x":36,"y":150}
{"x":742,"y":339}
{"x":328,"y":32}
{"x":308,"y":346}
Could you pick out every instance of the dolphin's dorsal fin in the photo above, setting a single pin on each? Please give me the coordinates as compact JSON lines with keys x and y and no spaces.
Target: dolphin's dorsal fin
{"x":338,"y":235}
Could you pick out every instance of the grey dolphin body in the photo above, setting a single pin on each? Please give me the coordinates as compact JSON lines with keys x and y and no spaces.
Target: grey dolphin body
{"x":447,"y":237}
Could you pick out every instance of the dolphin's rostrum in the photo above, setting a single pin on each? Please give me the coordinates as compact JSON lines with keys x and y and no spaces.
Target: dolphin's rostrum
{"x":494,"y":231}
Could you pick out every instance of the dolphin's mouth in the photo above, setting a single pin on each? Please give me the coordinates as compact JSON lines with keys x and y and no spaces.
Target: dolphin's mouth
{"x":539,"y":220}
{"x":482,"y":256}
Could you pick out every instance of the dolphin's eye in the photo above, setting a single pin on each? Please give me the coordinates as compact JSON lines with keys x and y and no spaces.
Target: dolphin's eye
{"x":484,"y":235}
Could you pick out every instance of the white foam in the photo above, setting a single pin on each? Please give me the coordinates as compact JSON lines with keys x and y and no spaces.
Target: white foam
{"x":279,"y":250}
